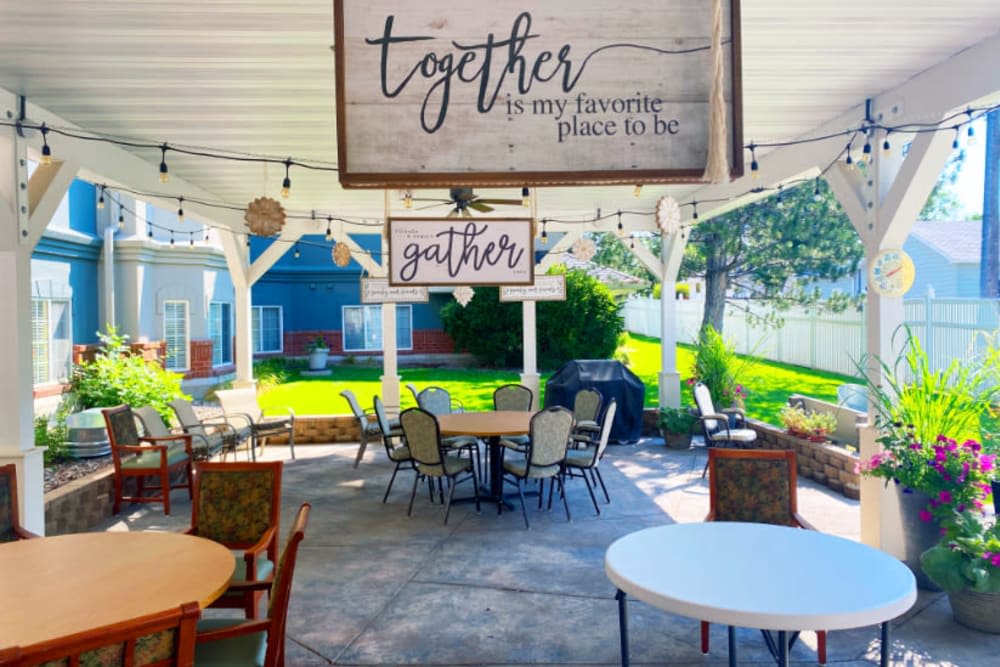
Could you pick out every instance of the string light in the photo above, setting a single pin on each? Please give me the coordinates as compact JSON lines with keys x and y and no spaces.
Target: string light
{"x":180,"y":209}
{"x":286,"y":185}
{"x":46,"y":151}
{"x":781,"y":197}
{"x":970,"y":140}
{"x":754,"y":167}
{"x":171,"y":238}
{"x":621,"y":227}
{"x":954,"y":142}
{"x":637,"y":192}
{"x":407,"y":199}
{"x":866,"y":152}
{"x":121,"y":216}
{"x":694,"y":210}
{"x":525,"y":197}
{"x":816,"y":194}
{"x":329,"y":231}
{"x":164,"y":172}
{"x":545,"y":235}
{"x":297,"y":254}
{"x":100,"y":198}
{"x":248,"y":241}
{"x":885,"y":144}
{"x":205,"y":230}
{"x":632,"y":242}
{"x":849,"y":161}
{"x":149,"y":229}
{"x":191,"y":239}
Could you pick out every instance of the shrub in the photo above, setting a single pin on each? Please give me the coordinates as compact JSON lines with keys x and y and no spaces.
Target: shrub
{"x":584,"y":326}
{"x":676,"y":420}
{"x":717,"y":365}
{"x":115,"y":376}
{"x":52,"y":435}
{"x":682,"y":291}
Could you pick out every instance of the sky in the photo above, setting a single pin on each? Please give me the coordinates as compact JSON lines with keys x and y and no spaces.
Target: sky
{"x":969,"y":186}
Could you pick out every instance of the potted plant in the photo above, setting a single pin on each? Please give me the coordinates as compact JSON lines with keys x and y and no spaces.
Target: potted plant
{"x":966,"y":564}
{"x":675,"y":426}
{"x":318,"y":352}
{"x":794,"y":419}
{"x":717,"y":365}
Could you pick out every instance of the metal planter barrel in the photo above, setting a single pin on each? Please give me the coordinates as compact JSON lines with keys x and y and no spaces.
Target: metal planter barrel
{"x":87,"y":435}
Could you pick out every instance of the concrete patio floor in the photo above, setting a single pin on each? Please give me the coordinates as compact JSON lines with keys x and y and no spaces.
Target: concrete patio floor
{"x":374,"y":587}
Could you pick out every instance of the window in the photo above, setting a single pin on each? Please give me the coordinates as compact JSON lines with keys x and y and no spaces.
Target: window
{"x":175,"y":332}
{"x":363,"y":328}
{"x":220,"y":330}
{"x":51,"y":344}
{"x":267,"y":334}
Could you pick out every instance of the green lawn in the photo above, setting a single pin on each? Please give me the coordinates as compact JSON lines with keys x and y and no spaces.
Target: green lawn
{"x":768,"y":384}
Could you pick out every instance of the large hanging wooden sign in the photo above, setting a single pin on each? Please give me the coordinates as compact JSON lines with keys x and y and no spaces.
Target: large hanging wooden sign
{"x":533,"y":92}
{"x":460,"y":251}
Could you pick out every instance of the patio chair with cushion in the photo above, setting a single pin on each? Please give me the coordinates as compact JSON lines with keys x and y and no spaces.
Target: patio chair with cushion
{"x":756,"y":486}
{"x":10,"y":522}
{"x":586,"y":409}
{"x":721,"y":429}
{"x":238,"y":506}
{"x":227,"y":642}
{"x":437,"y":401}
{"x":548,"y":438}
{"x":240,"y":407}
{"x":154,"y":427}
{"x":394,"y":442}
{"x":434,"y":460}
{"x":142,"y":457}
{"x":584,"y":461}
{"x":215,"y":434}
{"x":166,"y":638}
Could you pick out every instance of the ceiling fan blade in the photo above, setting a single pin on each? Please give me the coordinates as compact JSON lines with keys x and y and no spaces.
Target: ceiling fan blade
{"x":502,"y":202}
{"x":480,"y":206}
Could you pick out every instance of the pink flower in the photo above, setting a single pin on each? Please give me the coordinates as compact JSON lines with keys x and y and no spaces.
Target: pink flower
{"x":945,"y":496}
{"x":995,"y":561}
{"x":926,"y":516}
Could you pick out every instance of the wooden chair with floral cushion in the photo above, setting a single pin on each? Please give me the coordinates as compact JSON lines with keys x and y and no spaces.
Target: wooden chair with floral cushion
{"x":225,"y":642}
{"x":141,"y":457}
{"x":10,"y":523}
{"x":755,"y":486}
{"x":238,"y":506}
{"x":166,"y":638}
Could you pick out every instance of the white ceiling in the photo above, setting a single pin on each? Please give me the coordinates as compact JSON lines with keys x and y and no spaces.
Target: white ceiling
{"x":257,"y":76}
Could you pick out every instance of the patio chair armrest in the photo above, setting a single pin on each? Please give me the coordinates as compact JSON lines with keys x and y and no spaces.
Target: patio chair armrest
{"x":140,"y":449}
{"x":267,"y":543}
{"x":153,"y":439}
{"x":246,"y":627}
{"x":717,"y":416}
{"x":244,"y":416}
{"x":741,"y":416}
{"x":24,"y":534}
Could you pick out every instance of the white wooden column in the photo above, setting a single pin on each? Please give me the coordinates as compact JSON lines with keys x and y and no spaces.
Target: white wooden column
{"x":670,"y":378}
{"x":390,"y":367}
{"x":17,"y":438}
{"x":530,"y":377}
{"x":882,"y":203}
{"x":238,"y":261}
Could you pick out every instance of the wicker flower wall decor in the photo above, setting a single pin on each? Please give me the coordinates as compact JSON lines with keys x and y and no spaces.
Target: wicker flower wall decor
{"x":264,"y":217}
{"x":341,"y":254}
{"x":584,"y":249}
{"x":464,"y":295}
{"x":668,"y":215}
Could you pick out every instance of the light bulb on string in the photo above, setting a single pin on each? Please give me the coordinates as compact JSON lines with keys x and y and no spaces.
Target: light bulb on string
{"x":164,"y":172}
{"x":621,"y":227}
{"x":637,"y":191}
{"x":849,"y":161}
{"x":632,"y":242}
{"x":816,"y":193}
{"x":694,"y":210}
{"x":171,"y":238}
{"x":286,"y":185}
{"x":970,"y":133}
{"x":297,"y":254}
{"x":205,"y":230}
{"x":329,"y":230}
{"x":525,"y":197}
{"x":407,"y":199}
{"x":180,"y":209}
{"x":149,"y":230}
{"x":781,"y":197}
{"x":866,"y":152}
{"x":248,"y":241}
{"x":545,"y":235}
{"x":886,"y":148}
{"x":100,"y":198}
{"x":46,"y":151}
{"x":754,"y":167}
{"x":191,"y":239}
{"x":954,"y":142}
{"x":121,"y":216}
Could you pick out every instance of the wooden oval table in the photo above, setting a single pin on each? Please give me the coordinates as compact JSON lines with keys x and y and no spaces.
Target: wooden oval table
{"x":57,"y":586}
{"x":491,"y":425}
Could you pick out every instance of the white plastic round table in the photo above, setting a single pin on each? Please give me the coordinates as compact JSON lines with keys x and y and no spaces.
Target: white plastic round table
{"x":759,"y":576}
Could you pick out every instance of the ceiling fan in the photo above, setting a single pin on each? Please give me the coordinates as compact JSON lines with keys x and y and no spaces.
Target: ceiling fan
{"x":462,"y":199}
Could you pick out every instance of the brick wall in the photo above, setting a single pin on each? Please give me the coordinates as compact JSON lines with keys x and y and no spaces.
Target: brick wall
{"x":201,"y":359}
{"x":80,"y":505}
{"x":155,"y":350}
{"x":829,"y":464}
{"x":323,"y":429}
{"x":425,"y":341}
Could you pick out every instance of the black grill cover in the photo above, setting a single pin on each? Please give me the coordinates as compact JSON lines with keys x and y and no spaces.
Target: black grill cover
{"x":613,"y":380}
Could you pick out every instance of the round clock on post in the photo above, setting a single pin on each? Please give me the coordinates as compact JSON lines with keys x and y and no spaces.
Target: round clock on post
{"x":891,"y":273}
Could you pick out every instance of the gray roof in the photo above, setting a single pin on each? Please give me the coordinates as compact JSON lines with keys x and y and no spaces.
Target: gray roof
{"x":604,"y":274}
{"x":956,"y":241}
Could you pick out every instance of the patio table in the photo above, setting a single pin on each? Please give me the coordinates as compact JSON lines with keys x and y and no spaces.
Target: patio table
{"x":57,"y":586}
{"x":492,"y":425}
{"x":759,"y":576}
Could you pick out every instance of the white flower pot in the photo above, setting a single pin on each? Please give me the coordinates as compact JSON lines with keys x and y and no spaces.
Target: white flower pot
{"x":317,"y":359}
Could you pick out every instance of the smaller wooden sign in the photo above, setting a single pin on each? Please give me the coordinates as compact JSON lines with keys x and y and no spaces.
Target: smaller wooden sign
{"x":461,"y":251}
{"x":378,"y":290}
{"x":546,"y":288}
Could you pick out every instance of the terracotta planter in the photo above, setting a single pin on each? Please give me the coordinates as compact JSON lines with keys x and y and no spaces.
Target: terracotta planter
{"x":676,"y":440}
{"x":979,"y":611}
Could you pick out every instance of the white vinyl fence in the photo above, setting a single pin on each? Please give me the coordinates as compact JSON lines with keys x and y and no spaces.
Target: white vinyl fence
{"x":947,"y":328}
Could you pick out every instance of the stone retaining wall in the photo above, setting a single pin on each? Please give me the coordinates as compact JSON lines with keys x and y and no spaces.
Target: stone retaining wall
{"x":80,"y":505}
{"x":827,"y":463}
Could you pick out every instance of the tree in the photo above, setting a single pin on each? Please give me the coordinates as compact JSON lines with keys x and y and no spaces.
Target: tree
{"x":773,"y":250}
{"x":611,"y":252}
{"x":584,"y":326}
{"x":989,"y":264}
{"x":943,"y":202}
